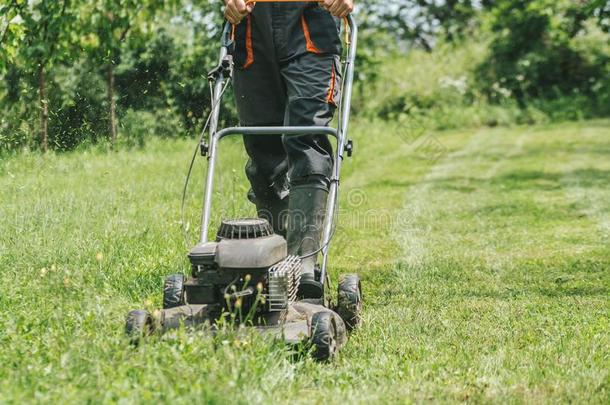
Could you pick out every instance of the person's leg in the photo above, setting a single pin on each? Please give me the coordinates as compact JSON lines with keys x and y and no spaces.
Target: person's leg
{"x":267,"y":170}
{"x":313,"y":84}
{"x":260,"y":99}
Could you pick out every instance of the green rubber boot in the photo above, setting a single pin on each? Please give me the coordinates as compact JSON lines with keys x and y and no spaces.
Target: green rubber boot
{"x":275,"y":213}
{"x":307,"y":208}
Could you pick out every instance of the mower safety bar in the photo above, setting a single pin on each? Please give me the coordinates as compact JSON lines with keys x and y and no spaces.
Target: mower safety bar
{"x":275,"y":131}
{"x":260,"y":131}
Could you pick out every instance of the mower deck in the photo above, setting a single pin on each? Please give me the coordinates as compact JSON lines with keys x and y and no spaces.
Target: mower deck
{"x":294,"y":325}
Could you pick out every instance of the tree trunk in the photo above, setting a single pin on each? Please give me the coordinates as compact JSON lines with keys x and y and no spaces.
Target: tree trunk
{"x":44,"y":109}
{"x":111,"y":104}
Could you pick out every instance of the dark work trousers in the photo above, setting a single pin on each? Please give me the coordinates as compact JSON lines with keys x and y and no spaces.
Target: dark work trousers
{"x":287,"y":73}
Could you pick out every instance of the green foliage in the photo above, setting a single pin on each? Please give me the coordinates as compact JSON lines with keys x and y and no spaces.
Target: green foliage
{"x":440,"y":64}
{"x":139,"y":125}
{"x":159,"y":52}
{"x":46,"y":32}
{"x":11,"y":31}
{"x":526,"y":63}
{"x":144,"y":69}
{"x":436,"y":90}
{"x":107,"y":23}
{"x":77,"y":94}
{"x":419,"y":22}
{"x":534,"y":55}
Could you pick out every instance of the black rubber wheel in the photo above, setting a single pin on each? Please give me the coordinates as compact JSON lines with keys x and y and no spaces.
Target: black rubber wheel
{"x":138,"y":324}
{"x":173,"y":291}
{"x":323,"y":336}
{"x":349,"y":300}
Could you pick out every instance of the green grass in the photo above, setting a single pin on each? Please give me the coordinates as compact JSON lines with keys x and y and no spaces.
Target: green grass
{"x":485,"y":259}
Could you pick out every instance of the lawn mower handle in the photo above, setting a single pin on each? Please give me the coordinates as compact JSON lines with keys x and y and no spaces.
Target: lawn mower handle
{"x":340,"y":133}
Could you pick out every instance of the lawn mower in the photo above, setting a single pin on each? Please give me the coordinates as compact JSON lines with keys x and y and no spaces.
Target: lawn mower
{"x":245,"y":273}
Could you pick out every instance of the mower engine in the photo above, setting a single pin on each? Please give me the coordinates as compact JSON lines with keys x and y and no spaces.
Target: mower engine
{"x":246,"y":267}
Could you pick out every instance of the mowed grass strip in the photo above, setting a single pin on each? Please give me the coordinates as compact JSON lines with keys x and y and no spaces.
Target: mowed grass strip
{"x":484,"y":256}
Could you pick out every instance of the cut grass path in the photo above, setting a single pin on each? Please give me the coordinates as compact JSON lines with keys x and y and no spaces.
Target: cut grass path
{"x":486,"y":274}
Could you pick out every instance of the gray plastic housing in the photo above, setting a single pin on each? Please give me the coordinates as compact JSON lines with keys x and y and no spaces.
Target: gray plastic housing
{"x":255,"y":253}
{"x":203,"y":254}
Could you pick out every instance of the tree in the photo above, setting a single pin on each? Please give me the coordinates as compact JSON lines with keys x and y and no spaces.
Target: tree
{"x":11,"y":31}
{"x":43,"y":30}
{"x":420,"y":21}
{"x":110,"y":22}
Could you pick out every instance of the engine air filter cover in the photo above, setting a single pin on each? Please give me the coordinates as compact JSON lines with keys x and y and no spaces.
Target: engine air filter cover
{"x":246,"y":228}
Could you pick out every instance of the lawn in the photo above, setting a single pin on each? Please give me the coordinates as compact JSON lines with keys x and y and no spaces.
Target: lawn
{"x":484,"y":254}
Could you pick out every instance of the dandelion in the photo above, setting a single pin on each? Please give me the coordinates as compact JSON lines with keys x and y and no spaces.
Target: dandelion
{"x":99,"y":256}
{"x":43,"y":271}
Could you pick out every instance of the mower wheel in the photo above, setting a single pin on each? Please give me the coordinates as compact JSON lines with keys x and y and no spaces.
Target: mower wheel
{"x":138,"y":324}
{"x":173,"y":291}
{"x":349,"y":300}
{"x":323,"y":336}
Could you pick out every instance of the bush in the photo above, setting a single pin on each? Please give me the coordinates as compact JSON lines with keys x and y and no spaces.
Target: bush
{"x":534,"y":55}
{"x":78,"y":106}
{"x":137,"y":126}
{"x":533,"y":61}
{"x":437,"y":88}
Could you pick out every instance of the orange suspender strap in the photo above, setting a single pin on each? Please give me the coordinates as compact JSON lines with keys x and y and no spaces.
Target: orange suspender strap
{"x":311,"y":47}
{"x":249,"y":49}
{"x":308,"y":42}
{"x":303,"y":1}
{"x":330,"y":98}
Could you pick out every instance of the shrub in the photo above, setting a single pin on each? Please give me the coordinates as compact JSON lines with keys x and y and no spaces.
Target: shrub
{"x":533,"y":54}
{"x":138,"y":125}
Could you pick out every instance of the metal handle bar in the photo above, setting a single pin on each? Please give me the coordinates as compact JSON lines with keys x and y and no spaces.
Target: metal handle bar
{"x":276,"y":131}
{"x":260,"y":131}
